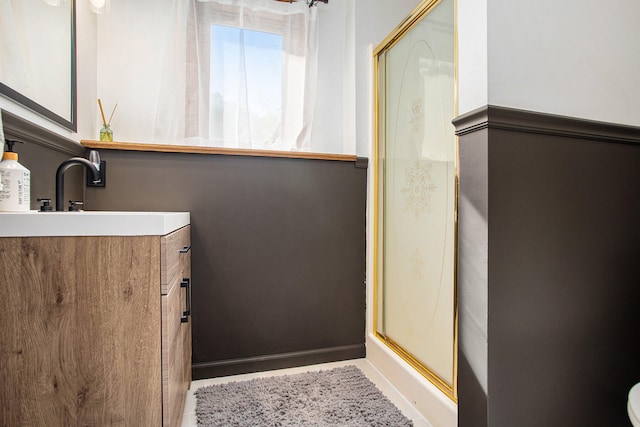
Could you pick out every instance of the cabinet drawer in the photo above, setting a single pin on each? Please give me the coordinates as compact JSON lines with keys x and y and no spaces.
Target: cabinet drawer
{"x":175,"y":248}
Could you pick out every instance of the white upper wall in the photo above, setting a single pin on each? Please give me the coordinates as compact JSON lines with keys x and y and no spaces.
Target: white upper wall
{"x":574,"y":58}
{"x":472,"y":55}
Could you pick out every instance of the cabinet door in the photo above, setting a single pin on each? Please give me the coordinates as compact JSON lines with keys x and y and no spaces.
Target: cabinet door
{"x":185,"y":264}
{"x":176,"y":324}
{"x":79,"y":341}
{"x":172,"y":357}
{"x":172,"y":248}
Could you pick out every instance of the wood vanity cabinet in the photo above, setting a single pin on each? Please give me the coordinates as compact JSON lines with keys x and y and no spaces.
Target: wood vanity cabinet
{"x":95,"y":330}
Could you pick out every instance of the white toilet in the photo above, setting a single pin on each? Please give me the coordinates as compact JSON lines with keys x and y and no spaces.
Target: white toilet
{"x":633,"y":405}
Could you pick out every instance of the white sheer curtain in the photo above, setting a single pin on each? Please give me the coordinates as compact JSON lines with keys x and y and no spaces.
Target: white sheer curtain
{"x":191,"y":109}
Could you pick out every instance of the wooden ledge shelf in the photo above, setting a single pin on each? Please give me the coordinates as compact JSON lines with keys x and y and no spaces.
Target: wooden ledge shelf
{"x":165,"y":148}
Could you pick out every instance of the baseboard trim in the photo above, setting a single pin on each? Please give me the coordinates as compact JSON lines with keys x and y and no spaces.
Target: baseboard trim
{"x":494,"y":117}
{"x":276,"y":361}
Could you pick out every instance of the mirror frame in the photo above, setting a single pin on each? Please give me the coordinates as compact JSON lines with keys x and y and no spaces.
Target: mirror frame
{"x":72,"y":122}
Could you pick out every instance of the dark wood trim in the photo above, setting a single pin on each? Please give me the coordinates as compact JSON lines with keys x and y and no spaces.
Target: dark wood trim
{"x":277,"y":361}
{"x":362,"y":163}
{"x":472,"y":121}
{"x":22,"y":129}
{"x":494,"y":117}
{"x":166,"y":148}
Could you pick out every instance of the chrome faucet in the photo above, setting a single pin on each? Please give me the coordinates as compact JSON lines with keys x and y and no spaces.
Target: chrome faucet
{"x":91,"y":167}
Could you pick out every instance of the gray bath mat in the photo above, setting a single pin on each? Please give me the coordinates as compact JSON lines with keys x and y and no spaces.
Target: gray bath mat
{"x":337,"y":397}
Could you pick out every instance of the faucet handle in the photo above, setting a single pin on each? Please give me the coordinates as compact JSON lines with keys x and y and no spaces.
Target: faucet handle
{"x":75,"y":205}
{"x":46,"y":205}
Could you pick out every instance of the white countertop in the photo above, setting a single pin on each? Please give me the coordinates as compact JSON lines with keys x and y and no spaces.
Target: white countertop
{"x":91,"y":223}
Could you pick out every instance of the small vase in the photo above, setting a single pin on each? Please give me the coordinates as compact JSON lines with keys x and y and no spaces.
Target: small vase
{"x":106,"y":134}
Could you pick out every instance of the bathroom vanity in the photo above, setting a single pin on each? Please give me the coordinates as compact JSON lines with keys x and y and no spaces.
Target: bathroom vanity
{"x":95,"y":325}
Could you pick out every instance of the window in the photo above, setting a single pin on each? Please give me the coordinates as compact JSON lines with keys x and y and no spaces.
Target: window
{"x":245,"y":98}
{"x":251,"y":75}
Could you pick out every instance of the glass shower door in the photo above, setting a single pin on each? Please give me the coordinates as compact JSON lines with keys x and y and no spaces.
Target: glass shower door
{"x":416,"y":195}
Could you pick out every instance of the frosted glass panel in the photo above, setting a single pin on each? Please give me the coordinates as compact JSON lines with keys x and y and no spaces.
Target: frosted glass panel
{"x":417,"y":192}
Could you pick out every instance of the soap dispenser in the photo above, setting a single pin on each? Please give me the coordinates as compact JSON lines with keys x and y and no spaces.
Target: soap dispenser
{"x":15,"y":195}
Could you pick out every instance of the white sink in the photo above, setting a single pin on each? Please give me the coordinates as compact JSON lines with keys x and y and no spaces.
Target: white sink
{"x":90,"y":223}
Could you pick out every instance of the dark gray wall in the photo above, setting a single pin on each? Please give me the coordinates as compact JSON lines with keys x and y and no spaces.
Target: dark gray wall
{"x":278,"y":260}
{"x":472,"y":280}
{"x":563,"y":272}
{"x":42,"y":153}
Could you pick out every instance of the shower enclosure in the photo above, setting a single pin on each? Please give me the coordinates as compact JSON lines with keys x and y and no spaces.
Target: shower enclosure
{"x":416,"y":192}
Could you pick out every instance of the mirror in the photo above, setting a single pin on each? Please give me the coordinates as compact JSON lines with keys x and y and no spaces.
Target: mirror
{"x":37,"y":57}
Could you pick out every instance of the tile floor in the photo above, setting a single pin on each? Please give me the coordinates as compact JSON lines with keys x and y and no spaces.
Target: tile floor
{"x":189,"y":416}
